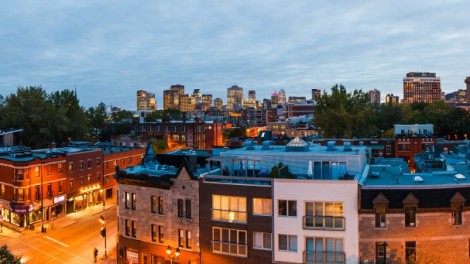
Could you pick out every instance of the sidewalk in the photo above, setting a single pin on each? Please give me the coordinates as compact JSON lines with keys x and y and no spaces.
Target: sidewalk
{"x":62,"y":222}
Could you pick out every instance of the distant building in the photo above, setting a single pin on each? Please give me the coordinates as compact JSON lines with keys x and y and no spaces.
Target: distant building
{"x":467,"y":82}
{"x":207,"y":99}
{"x":391,"y":99}
{"x":146,"y":101}
{"x":316,"y":93}
{"x":411,"y":140}
{"x":252,"y":94}
{"x":374,"y":97}
{"x":171,"y":96}
{"x":218,"y":103}
{"x":421,"y":87}
{"x":234,"y":98}
{"x":297,"y":100}
{"x":282,"y":97}
{"x":187,"y":103}
{"x":274,"y":99}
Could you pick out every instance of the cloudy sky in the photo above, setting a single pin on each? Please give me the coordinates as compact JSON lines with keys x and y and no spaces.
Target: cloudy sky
{"x":110,"y":49}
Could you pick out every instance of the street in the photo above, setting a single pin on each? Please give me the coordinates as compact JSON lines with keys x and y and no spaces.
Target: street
{"x":70,"y":239}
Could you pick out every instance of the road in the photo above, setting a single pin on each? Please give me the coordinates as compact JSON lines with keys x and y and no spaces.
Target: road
{"x":69,"y":240}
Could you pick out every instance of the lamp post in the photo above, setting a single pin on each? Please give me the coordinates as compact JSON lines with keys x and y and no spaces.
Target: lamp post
{"x":169,"y":251}
{"x":103,"y":234}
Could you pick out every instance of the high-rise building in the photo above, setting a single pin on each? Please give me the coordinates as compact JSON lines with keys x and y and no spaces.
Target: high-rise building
{"x":145,"y":101}
{"x":297,"y":100}
{"x":207,"y":99}
{"x":374,"y":97}
{"x":274,"y":99}
{"x":467,"y":82}
{"x":218,"y":103}
{"x":171,"y":96}
{"x":391,"y":99}
{"x":187,"y":103}
{"x":315,"y":94}
{"x":421,"y":87}
{"x":252,"y":94}
{"x":198,"y":95}
{"x":234,"y":98}
{"x":282,"y":98}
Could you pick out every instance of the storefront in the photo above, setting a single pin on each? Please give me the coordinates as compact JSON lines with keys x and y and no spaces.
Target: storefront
{"x":19,"y":214}
{"x":85,"y":197}
{"x":58,"y":208}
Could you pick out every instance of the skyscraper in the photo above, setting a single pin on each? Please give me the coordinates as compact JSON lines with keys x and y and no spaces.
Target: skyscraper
{"x":391,"y":99}
{"x":145,"y":101}
{"x":315,"y":94}
{"x":234,"y":98}
{"x":374,"y":96}
{"x":171,"y":96}
{"x":421,"y":87}
{"x":218,"y":103}
{"x":282,"y":97}
{"x":252,"y":94}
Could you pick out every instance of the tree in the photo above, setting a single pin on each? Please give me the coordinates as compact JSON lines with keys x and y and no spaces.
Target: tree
{"x":121,"y":115}
{"x":344,"y":115}
{"x":97,"y":120}
{"x":6,"y":257}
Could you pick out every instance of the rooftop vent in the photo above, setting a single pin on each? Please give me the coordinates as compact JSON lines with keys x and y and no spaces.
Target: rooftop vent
{"x":459,"y":177}
{"x":347,"y":146}
{"x":375,"y":174}
{"x":330,"y":145}
{"x":250,"y":144}
{"x":418,"y":179}
{"x":266,"y":145}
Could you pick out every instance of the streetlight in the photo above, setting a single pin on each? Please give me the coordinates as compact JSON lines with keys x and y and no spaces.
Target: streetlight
{"x":103,"y":234}
{"x":177,"y":253}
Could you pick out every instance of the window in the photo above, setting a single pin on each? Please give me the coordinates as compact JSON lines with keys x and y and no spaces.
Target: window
{"x":89,"y":178}
{"x":2,"y":190}
{"x":188,"y":208}
{"x":262,"y":240}
{"x":160,"y":205}
{"x":128,"y":227}
{"x":324,"y":250}
{"x":261,"y":206}
{"x":133,"y":201}
{"x":36,"y":172}
{"x":229,"y":241}
{"x":324,"y":215}
{"x":380,"y":252}
{"x":49,"y":169}
{"x":388,"y":150}
{"x":80,"y":165}
{"x":19,"y":174}
{"x":380,"y":219}
{"x":37,"y":194}
{"x":410,"y":252}
{"x":98,"y":162}
{"x":89,"y":163}
{"x":134,"y":228}
{"x":160,"y":234}
{"x":70,"y":166}
{"x":410,"y":216}
{"x":129,"y":160}
{"x":59,"y":167}
{"x":49,"y":190}
{"x":127,"y":197}
{"x":457,"y":214}
{"x":61,"y":187}
{"x":288,"y":243}
{"x":98,"y":176}
{"x":229,"y":208}
{"x":287,"y":208}
{"x":180,"y":208}
{"x":153,"y":204}
{"x":404,"y":147}
{"x":154,"y":229}
{"x":106,"y":179}
{"x":184,"y":238}
{"x":71,"y":184}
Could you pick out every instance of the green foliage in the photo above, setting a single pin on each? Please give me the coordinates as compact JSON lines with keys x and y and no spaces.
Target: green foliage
{"x":121,"y":115}
{"x":164,"y":115}
{"x":234,"y":132}
{"x":281,"y":171}
{"x":344,"y":115}
{"x":97,"y":119}
{"x":6,"y":257}
{"x":160,"y":146}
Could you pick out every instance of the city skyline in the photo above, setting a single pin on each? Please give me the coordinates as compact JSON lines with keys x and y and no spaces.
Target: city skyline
{"x":108,"y":51}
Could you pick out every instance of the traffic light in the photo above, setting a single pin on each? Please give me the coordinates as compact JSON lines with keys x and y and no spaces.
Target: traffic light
{"x":103,"y":232}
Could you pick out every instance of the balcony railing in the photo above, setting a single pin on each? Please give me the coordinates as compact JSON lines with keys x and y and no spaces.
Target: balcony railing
{"x":324,"y":222}
{"x":229,"y":216}
{"x":324,"y":257}
{"x":229,"y":248}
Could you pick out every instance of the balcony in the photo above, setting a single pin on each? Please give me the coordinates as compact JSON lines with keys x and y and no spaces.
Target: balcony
{"x":229,"y":248}
{"x":324,"y":222}
{"x":324,"y":257}
{"x":229,"y":216}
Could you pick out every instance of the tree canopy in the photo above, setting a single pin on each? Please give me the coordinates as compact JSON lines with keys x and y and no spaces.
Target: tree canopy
{"x":6,"y":257}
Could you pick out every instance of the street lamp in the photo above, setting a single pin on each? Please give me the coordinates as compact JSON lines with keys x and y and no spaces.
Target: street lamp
{"x":177,"y":253}
{"x":103,"y":234}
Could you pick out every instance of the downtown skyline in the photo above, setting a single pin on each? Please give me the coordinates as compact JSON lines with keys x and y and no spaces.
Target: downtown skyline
{"x":109,"y":50}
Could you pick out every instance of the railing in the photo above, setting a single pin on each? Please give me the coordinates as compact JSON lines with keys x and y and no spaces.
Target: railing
{"x":229,"y":248}
{"x":324,"y":257}
{"x":324,"y":222}
{"x":229,"y":216}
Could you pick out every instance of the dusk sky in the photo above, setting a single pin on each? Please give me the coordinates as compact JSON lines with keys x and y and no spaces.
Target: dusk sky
{"x":110,"y":49}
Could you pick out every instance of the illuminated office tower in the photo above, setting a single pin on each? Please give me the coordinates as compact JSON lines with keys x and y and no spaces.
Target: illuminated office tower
{"x":145,"y":101}
{"x":421,"y":87}
{"x":234,"y":98}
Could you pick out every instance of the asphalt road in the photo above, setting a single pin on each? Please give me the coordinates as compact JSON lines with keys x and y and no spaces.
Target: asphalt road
{"x":69,"y":240}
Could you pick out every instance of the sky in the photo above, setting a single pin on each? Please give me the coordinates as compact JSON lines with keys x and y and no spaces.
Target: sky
{"x":108,"y":50}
